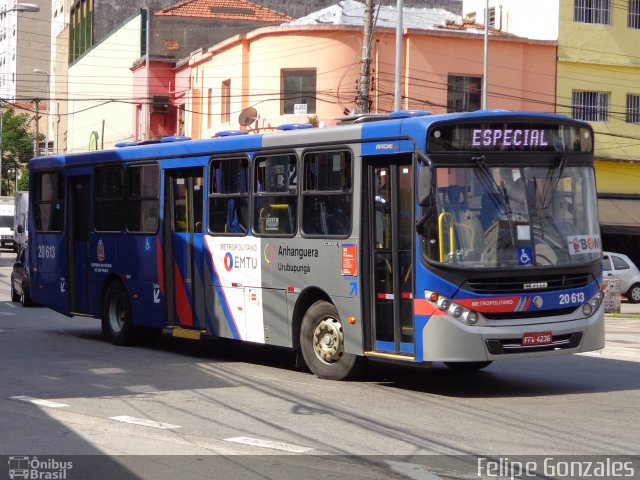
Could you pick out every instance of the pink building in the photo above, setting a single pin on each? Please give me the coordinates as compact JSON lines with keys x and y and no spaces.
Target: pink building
{"x":310,"y":73}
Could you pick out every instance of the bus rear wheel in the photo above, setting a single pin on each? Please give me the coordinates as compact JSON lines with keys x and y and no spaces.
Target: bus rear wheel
{"x":468,"y":366}
{"x":26,"y":294}
{"x":15,"y":296}
{"x":117,"y":322}
{"x":322,"y":344}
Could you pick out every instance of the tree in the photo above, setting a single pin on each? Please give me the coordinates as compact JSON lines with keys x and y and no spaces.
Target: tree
{"x":23,"y":182}
{"x":17,"y":148}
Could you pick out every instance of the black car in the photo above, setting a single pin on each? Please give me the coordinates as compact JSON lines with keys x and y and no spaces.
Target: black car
{"x":20,"y":288}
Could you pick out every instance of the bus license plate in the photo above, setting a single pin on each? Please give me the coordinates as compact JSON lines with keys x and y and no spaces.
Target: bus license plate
{"x":536,"y":338}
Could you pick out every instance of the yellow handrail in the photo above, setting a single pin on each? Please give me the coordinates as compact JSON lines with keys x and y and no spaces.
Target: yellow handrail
{"x":452,"y":241}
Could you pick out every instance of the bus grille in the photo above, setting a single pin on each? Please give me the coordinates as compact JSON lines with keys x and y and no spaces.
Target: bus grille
{"x":508,"y":346}
{"x":519,"y":284}
{"x":532,"y":314}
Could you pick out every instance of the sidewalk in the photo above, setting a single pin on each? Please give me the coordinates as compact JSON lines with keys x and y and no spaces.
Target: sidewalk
{"x":622,"y":335}
{"x":626,"y":307}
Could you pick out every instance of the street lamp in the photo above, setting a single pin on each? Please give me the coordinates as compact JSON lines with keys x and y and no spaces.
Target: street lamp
{"x":37,"y":104}
{"x":19,"y":7}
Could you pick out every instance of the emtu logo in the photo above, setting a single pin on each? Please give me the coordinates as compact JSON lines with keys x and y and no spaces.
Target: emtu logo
{"x":228,"y":261}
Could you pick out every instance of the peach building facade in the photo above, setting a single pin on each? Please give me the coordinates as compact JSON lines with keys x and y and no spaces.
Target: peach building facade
{"x":441,"y":68}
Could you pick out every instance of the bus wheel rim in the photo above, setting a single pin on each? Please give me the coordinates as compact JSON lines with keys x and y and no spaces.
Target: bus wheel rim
{"x":328,"y":340}
{"x":116,"y":316}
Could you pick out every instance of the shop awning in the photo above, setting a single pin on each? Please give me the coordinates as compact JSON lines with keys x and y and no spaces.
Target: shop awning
{"x":619,"y":216}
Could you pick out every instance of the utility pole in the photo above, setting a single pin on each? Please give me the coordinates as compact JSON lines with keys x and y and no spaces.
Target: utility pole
{"x":397,"y":92}
{"x":362,"y":103}
{"x":36,"y":146}
{"x":485,"y":80}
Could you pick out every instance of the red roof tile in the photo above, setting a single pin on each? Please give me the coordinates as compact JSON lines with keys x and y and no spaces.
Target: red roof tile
{"x":224,"y":9}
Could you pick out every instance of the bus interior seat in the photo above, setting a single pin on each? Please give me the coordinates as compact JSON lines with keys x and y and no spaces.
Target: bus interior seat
{"x":180,"y":218}
{"x":490,"y":205}
{"x":233,"y":220}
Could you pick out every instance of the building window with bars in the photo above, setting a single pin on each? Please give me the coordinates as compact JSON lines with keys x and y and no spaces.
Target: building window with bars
{"x":590,"y":106}
{"x":633,"y":17}
{"x":592,"y":11}
{"x":492,"y":17}
{"x":633,"y":108}
{"x":80,"y":29}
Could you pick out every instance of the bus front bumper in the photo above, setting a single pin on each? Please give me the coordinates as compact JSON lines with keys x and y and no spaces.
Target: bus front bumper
{"x":445,"y":339}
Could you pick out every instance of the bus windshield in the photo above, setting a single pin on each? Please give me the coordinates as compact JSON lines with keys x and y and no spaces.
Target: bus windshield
{"x":514,"y":217}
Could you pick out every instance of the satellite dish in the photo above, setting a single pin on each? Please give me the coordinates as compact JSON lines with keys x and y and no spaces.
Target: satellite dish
{"x":248,"y":116}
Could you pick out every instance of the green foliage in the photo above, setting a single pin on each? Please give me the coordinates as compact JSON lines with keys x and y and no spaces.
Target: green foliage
{"x":23,"y":182}
{"x":17,"y":148}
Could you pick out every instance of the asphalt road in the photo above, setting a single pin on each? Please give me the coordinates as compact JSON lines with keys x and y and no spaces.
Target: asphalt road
{"x":216,"y":409}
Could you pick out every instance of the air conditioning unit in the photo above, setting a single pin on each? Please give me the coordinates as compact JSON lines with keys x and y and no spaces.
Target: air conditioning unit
{"x":159,"y":103}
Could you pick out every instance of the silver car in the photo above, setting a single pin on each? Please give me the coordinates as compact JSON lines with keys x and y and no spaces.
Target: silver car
{"x":617,"y":265}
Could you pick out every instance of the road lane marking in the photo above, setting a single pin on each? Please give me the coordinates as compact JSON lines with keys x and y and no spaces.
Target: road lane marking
{"x":39,"y":401}
{"x":145,"y":423}
{"x":412,"y":470}
{"x":256,"y":442}
{"x":107,"y":371}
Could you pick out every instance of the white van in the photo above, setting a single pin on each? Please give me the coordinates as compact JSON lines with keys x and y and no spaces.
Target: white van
{"x":20,"y":222}
{"x":6,"y":222}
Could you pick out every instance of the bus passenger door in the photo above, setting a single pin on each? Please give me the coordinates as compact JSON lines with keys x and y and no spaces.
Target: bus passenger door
{"x":184,"y":199}
{"x":78,"y":224}
{"x":388,"y":214}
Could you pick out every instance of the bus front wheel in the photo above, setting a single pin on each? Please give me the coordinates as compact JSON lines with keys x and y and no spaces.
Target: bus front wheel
{"x":322,"y":343}
{"x":117,"y":324}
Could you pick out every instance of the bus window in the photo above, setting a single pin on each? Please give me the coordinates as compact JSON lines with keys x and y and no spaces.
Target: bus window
{"x":49,"y":201}
{"x":143,"y":204}
{"x":109,"y":199}
{"x":229,"y":196}
{"x":275,"y":201}
{"x":326,"y":199}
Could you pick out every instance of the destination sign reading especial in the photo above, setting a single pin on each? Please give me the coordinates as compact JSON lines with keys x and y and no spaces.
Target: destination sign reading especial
{"x":508,"y":137}
{"x":519,"y":136}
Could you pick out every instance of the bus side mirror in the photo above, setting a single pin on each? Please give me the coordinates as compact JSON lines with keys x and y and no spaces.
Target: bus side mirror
{"x":424,"y":186}
{"x":20,"y":229}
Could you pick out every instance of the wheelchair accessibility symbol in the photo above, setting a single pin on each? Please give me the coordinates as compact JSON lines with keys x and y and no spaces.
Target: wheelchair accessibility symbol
{"x":524,"y":256}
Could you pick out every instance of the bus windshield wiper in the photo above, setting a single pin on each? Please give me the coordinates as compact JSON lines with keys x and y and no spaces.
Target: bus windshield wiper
{"x":508,"y":210}
{"x":555,"y":178}
{"x":487,"y":180}
{"x":538,"y":208}
{"x":496,"y":191}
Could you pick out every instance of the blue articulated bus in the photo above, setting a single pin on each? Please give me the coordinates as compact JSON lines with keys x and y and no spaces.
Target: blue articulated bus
{"x":459,"y":238}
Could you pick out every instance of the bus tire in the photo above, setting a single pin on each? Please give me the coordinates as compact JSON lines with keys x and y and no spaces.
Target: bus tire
{"x":322,"y":343}
{"x":26,"y":294}
{"x":468,"y":366}
{"x":15,"y":296}
{"x":117,"y":321}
